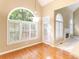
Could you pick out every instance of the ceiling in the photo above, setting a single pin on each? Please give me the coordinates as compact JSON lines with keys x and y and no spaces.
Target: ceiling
{"x":74,"y":7}
{"x":44,"y":2}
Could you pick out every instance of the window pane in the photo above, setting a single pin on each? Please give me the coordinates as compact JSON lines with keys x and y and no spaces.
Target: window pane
{"x":25,"y":31}
{"x":14,"y":31}
{"x":33,"y":34}
{"x":59,"y":30}
{"x":59,"y":17}
{"x":33,"y":27}
{"x":21,"y":14}
{"x":33,"y":30}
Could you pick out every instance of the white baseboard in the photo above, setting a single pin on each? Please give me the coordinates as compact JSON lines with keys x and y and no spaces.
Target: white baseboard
{"x":2,"y":53}
{"x":49,"y":44}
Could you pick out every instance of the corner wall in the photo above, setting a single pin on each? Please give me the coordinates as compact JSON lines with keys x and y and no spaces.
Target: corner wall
{"x":5,"y":7}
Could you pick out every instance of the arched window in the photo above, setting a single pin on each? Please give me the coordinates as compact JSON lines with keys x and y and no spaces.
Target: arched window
{"x":59,"y":18}
{"x":21,"y":26}
{"x":21,"y":13}
{"x":59,"y":26}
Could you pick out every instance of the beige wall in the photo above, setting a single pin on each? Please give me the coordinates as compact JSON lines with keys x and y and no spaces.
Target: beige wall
{"x":5,"y":7}
{"x":49,"y":9}
{"x":76,"y":22}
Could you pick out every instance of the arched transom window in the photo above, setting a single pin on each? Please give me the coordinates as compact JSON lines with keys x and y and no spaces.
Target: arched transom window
{"x":21,"y":13}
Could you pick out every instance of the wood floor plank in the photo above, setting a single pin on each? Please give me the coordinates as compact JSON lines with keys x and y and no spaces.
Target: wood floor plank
{"x":40,"y":51}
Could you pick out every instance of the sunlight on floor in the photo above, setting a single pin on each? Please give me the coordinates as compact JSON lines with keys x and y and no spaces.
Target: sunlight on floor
{"x":48,"y":57}
{"x":70,"y":44}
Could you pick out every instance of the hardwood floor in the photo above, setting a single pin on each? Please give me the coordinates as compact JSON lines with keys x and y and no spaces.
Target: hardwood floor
{"x":40,"y":51}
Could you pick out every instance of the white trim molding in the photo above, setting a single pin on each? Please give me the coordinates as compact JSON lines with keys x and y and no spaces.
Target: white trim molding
{"x":9,"y":51}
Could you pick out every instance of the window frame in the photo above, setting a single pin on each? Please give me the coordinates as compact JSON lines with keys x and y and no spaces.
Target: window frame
{"x":20,"y":40}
